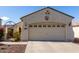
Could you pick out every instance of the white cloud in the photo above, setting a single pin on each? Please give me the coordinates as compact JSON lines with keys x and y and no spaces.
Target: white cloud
{"x":4,"y":18}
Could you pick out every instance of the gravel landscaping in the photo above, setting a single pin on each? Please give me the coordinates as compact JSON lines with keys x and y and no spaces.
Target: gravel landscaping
{"x":12,"y":48}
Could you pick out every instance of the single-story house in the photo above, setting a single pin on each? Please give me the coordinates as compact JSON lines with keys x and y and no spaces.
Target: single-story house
{"x":75,"y":25}
{"x":47,"y":24}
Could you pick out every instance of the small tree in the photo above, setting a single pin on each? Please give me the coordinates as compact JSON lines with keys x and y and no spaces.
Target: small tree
{"x":16,"y":36}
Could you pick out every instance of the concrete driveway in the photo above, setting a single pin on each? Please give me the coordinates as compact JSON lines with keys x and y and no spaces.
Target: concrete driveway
{"x":51,"y":47}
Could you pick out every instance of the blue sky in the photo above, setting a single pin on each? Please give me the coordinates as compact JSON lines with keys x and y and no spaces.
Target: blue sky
{"x":14,"y":13}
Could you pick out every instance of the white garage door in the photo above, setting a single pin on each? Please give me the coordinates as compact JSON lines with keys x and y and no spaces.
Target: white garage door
{"x":46,"y":32}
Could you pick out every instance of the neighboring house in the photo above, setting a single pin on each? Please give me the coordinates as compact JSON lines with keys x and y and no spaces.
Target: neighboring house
{"x":17,"y":27}
{"x":76,"y":29}
{"x":11,"y":29}
{"x":47,"y":24}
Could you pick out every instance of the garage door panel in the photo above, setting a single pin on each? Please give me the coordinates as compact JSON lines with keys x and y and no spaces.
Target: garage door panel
{"x":47,"y":33}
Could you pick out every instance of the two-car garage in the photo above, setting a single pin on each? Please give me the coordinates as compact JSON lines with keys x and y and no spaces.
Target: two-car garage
{"x":49,"y":31}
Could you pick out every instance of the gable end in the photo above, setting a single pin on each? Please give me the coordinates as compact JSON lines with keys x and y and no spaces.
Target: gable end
{"x":49,"y":8}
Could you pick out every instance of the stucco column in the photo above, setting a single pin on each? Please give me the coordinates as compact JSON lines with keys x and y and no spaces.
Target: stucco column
{"x":24,"y":33}
{"x":69,"y":33}
{"x":5,"y":36}
{"x":66,"y":27}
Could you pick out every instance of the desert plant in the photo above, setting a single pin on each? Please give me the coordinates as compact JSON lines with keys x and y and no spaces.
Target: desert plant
{"x":16,"y":36}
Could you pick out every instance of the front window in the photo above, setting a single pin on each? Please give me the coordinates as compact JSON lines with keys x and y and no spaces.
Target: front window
{"x":53,"y":25}
{"x":30,"y":25}
{"x":35,"y":25}
{"x":62,"y":25}
{"x":49,"y":25}
{"x":40,"y":26}
{"x":44,"y":25}
{"x":58,"y":25}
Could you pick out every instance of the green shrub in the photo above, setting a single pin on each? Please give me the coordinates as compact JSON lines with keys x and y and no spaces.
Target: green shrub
{"x":16,"y":36}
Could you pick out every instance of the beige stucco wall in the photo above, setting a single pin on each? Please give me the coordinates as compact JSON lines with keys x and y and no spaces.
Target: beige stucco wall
{"x":69,"y":33}
{"x":55,"y":16}
{"x":76,"y":32}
